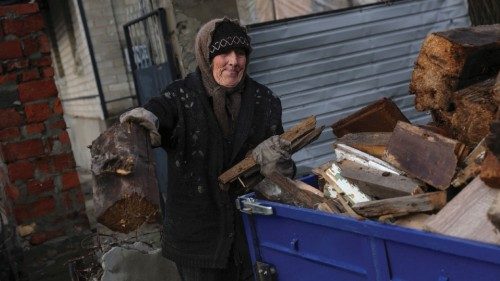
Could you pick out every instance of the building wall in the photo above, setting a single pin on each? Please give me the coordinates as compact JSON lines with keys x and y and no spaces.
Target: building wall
{"x":43,"y":185}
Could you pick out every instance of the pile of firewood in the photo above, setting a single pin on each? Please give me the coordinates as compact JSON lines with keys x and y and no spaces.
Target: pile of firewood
{"x":442,"y":177}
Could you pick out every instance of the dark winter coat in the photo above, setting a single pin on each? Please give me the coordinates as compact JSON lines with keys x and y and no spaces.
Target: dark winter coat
{"x":199,"y":217}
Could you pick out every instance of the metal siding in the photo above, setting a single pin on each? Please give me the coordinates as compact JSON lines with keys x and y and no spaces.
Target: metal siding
{"x":331,"y":65}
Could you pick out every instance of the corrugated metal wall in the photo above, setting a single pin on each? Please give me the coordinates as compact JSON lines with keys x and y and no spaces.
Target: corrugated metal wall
{"x":333,"y":64}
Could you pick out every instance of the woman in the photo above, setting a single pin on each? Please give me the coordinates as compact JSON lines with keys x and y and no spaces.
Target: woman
{"x":208,"y":122}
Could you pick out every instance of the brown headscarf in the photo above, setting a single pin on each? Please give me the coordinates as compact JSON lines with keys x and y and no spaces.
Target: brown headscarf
{"x":226,"y":102}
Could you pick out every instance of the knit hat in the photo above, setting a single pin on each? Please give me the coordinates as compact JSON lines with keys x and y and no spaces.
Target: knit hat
{"x":227,"y":36}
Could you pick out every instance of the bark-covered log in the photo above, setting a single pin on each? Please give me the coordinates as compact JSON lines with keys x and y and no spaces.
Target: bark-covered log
{"x":451,"y":60}
{"x":126,"y":192}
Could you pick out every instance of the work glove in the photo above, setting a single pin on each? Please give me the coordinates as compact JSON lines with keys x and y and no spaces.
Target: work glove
{"x":147,"y":120}
{"x":272,"y":155}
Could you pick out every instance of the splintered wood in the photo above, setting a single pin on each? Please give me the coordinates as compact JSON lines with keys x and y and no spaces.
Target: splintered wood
{"x":451,"y":60}
{"x":465,"y":215}
{"x":380,"y":116}
{"x":126,"y":193}
{"x":425,"y":155}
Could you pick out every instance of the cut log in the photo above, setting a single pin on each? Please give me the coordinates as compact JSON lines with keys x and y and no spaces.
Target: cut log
{"x":466,"y":215}
{"x":297,"y":135}
{"x":380,"y":116}
{"x":490,"y":170}
{"x":407,"y":204}
{"x":494,"y":212}
{"x":451,"y":60}
{"x":369,"y":142}
{"x":424,"y":155}
{"x":378,"y":184}
{"x":126,"y":192}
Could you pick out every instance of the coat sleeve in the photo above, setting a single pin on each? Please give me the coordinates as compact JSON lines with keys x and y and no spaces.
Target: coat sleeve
{"x":275,"y":124}
{"x":165,"y":107}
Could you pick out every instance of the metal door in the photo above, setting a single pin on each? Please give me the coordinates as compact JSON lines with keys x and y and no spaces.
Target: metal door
{"x":152,"y":64}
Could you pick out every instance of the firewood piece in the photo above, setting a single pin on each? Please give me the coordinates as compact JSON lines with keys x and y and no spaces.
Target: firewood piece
{"x":307,"y":139}
{"x":300,"y":196}
{"x":293,"y":135}
{"x":372,"y":143}
{"x":450,"y":60}
{"x":424,"y":155}
{"x":345,"y":152}
{"x":321,"y":171}
{"x":352,"y":193}
{"x":490,"y":170}
{"x":416,"y":221}
{"x":472,"y":166}
{"x":494,"y":212}
{"x":377,"y":183}
{"x":126,"y":192}
{"x":465,"y":216}
{"x":380,"y":116}
{"x":406,"y":204}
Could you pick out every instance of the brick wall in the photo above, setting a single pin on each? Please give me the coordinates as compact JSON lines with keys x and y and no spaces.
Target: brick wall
{"x":43,"y":185}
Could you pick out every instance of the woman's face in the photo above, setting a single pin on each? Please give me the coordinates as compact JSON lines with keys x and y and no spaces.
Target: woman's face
{"x":228,"y":68}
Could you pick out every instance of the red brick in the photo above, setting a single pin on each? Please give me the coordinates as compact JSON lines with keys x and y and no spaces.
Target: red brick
{"x":37,"y":112}
{"x":64,"y":137}
{"x":37,"y":128}
{"x":16,"y":65}
{"x":30,"y":46}
{"x":47,"y":72}
{"x":43,"y":61}
{"x":23,"y":150}
{"x":44,"y":44}
{"x":10,"y":50}
{"x":29,"y":75}
{"x":70,"y":180}
{"x":23,"y":26}
{"x":40,"y":208}
{"x":61,"y":124}
{"x":35,"y":90}
{"x":42,"y":237}
{"x":21,"y":170}
{"x":10,"y":118}
{"x":42,"y":165}
{"x":9,"y":134}
{"x":8,"y":77}
{"x":19,"y":9}
{"x":36,"y":187}
{"x":63,"y":161}
{"x":58,"y":106}
{"x":12,"y":192}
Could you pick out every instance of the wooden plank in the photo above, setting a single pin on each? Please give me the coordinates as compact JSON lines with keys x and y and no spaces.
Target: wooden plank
{"x":451,"y":60}
{"x":494,"y":212}
{"x":380,"y":116}
{"x":293,"y":134}
{"x":351,"y":192}
{"x":490,"y":170}
{"x":377,"y":183}
{"x":126,"y":191}
{"x":424,"y":155}
{"x":406,"y":204}
{"x":372,"y":143}
{"x":465,"y":215}
{"x":345,"y":152}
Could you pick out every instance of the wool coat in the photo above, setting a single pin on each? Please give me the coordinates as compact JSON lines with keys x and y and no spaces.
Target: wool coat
{"x":199,"y":218}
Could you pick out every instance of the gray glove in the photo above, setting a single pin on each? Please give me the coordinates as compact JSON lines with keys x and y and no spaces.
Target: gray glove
{"x":146,"y":119}
{"x":273,"y":155}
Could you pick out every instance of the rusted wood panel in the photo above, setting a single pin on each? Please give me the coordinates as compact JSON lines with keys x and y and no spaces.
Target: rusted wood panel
{"x":406,"y":204}
{"x":126,"y":192}
{"x":466,"y":215}
{"x":373,"y":143}
{"x":451,"y":60}
{"x":380,"y":116}
{"x":377,"y":183}
{"x":424,"y":155}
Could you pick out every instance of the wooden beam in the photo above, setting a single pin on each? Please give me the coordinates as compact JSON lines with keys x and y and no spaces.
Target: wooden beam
{"x":465,"y":216}
{"x":424,"y":155}
{"x":373,"y":143}
{"x":294,"y":134}
{"x":406,"y":204}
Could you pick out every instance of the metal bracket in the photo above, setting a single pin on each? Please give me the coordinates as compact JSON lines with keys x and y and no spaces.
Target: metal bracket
{"x":250,"y":206}
{"x":265,"y":272}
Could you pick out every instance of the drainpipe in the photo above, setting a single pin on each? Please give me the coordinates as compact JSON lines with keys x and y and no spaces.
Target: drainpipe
{"x":92,"y":59}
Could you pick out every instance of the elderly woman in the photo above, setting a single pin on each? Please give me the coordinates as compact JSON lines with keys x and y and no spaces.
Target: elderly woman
{"x":208,"y":122}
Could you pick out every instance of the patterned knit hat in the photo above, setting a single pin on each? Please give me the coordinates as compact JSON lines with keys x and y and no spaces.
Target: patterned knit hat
{"x":227,"y":36}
